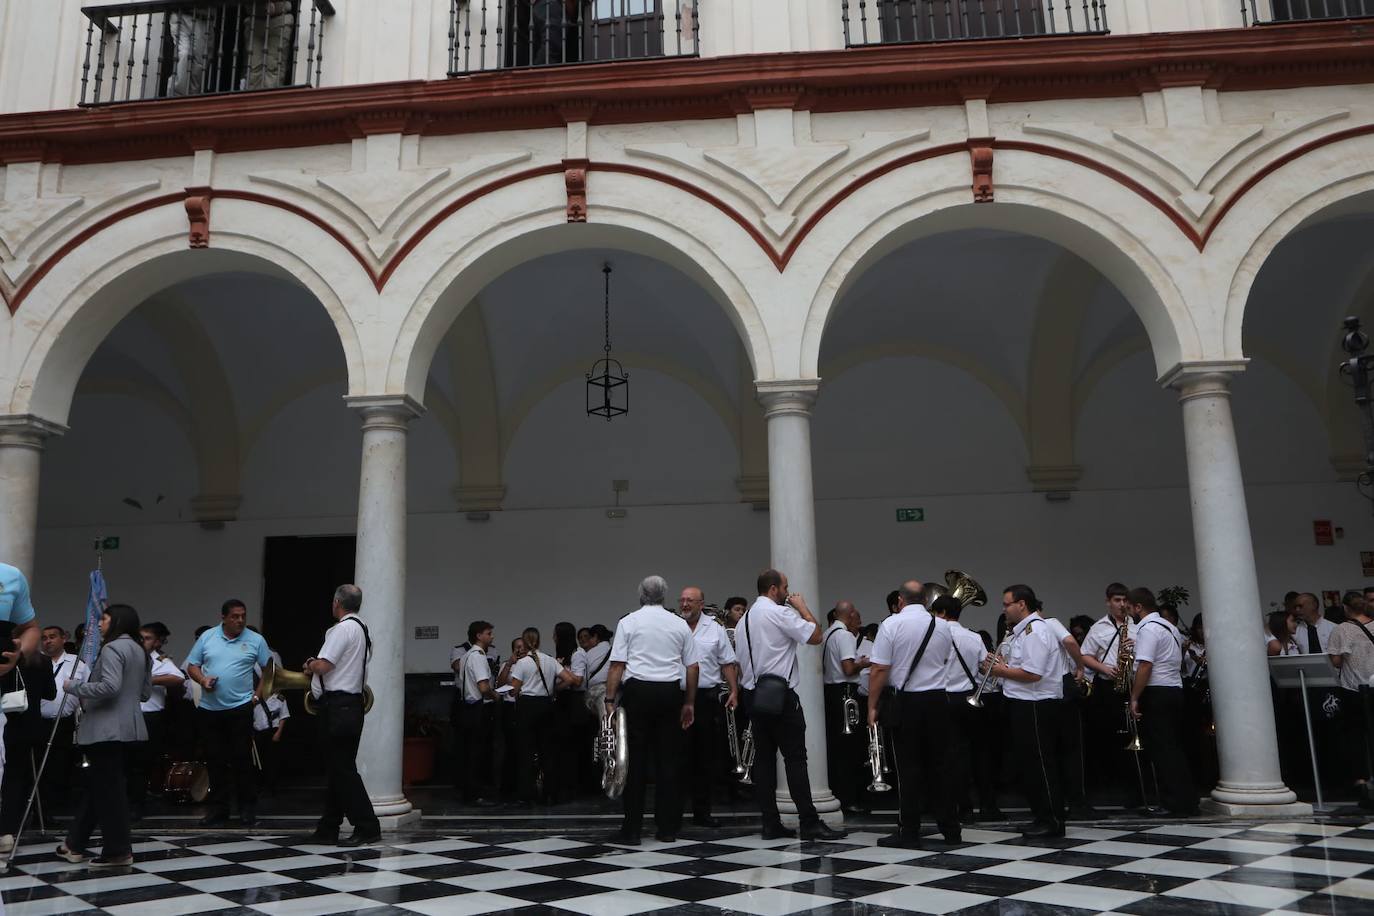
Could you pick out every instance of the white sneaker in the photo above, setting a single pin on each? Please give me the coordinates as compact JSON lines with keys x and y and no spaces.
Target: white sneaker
{"x":6,"y":842}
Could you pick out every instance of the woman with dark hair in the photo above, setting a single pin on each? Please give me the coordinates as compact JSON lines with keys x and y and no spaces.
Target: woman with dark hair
{"x":572,"y":739}
{"x":25,"y":732}
{"x":1281,"y":626}
{"x":110,"y":722}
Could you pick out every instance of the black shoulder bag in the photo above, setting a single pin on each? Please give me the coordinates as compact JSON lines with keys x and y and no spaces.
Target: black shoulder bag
{"x":888,"y":713}
{"x":770,"y":690}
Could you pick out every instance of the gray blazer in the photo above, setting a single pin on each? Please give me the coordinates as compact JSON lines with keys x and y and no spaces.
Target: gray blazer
{"x":120,"y":680}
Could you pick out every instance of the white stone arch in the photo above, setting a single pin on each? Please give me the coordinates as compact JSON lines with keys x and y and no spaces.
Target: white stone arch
{"x":1314,"y":188}
{"x":1118,"y":252}
{"x":486,"y":252}
{"x":67,"y":315}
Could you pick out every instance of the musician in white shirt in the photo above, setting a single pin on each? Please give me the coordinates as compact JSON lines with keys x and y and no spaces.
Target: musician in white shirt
{"x":476,"y":719}
{"x":841,"y":666}
{"x":57,"y":774}
{"x":1033,"y":688}
{"x":971,"y":754}
{"x":1157,"y":701}
{"x":766,"y":642}
{"x":654,"y":676}
{"x":534,"y":679}
{"x":717,"y":689}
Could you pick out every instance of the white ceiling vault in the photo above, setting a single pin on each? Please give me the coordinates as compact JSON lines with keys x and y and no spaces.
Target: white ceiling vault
{"x":248,"y":373}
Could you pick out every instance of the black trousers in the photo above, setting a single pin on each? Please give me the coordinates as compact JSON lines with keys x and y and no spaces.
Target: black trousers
{"x":269,"y":759}
{"x":140,"y":757}
{"x":972,"y":757}
{"x":704,"y":740}
{"x":228,"y":738}
{"x":1071,"y":746}
{"x":785,"y":733}
{"x":924,"y":765}
{"x":475,"y":722}
{"x":653,"y":711}
{"x":1036,"y":733}
{"x":844,"y":754}
{"x":18,"y":781}
{"x":104,"y":802}
{"x":504,"y":767}
{"x":341,"y":730}
{"x":534,"y":742}
{"x":1161,"y":733}
{"x":1110,"y":765}
{"x":1355,"y":711}
{"x":56,"y":786}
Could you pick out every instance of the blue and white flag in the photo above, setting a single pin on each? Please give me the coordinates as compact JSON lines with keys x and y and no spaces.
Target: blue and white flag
{"x":96,"y":602}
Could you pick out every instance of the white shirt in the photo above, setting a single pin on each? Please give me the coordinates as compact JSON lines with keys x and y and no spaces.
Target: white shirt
{"x":771,"y":633}
{"x":157,"y":697}
{"x":1157,"y":642}
{"x":865,"y":647}
{"x":593,"y":665}
{"x":457,"y":654}
{"x":840,"y":646}
{"x":527,"y":671}
{"x":1036,"y":651}
{"x":899,"y":639}
{"x":475,"y":669}
{"x":346,"y":647}
{"x":712,"y":651}
{"x":969,"y":647}
{"x":1061,"y":633}
{"x":1103,"y":640}
{"x":655,"y":644}
{"x":270,"y":713}
{"x":1324,"y":630}
{"x":62,"y":668}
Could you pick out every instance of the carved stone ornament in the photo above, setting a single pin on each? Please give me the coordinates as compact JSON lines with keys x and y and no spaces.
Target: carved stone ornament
{"x":575,"y":179}
{"x":198,"y":215}
{"x":980,"y":153}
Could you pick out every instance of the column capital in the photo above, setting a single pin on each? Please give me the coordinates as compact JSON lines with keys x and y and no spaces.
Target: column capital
{"x":787,"y":397}
{"x":27,"y":431}
{"x":385,"y":411}
{"x":1203,"y":378}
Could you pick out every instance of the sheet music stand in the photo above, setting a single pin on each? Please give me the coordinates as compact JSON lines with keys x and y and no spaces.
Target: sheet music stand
{"x":1301,"y":672}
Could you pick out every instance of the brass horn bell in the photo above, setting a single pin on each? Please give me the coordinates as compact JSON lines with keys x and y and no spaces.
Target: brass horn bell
{"x":959,"y":585}
{"x":275,"y":680}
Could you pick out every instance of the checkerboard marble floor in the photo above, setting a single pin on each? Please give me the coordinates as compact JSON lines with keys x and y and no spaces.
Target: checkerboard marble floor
{"x":1185,"y":868}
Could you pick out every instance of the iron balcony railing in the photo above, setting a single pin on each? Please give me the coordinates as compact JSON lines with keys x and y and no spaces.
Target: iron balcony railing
{"x":874,"y":22}
{"x":1258,"y":12}
{"x":158,"y":50}
{"x":500,"y":34}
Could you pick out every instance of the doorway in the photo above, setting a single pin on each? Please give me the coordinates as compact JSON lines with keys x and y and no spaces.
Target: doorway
{"x":299,"y":578}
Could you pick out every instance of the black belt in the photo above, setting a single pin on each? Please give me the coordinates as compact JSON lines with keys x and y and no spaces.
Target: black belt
{"x":921,"y":693}
{"x":339,"y":693}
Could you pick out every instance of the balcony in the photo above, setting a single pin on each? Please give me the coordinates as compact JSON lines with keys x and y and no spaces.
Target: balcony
{"x":882,"y":22}
{"x":1259,"y":12}
{"x":505,"y":34}
{"x":156,"y":50}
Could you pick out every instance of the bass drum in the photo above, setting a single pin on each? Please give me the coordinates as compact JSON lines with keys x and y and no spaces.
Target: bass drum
{"x":188,"y":781}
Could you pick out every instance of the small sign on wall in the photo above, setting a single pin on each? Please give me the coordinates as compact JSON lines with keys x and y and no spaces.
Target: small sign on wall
{"x":1323,"y":532}
{"x":1367,"y":562}
{"x":426,"y":632}
{"x":911,"y":515}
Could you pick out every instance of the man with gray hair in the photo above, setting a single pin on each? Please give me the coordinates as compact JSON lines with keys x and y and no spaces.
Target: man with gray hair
{"x":338,"y":677}
{"x":652,"y":658}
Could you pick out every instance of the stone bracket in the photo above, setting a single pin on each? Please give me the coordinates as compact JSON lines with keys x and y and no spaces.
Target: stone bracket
{"x":1054,"y":479}
{"x":753,"y":489}
{"x":479,"y":498}
{"x":575,"y":181}
{"x":198,"y":216}
{"x":980,"y":156}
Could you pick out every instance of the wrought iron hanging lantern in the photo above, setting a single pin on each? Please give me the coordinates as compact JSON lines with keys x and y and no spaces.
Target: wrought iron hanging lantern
{"x":608,"y":384}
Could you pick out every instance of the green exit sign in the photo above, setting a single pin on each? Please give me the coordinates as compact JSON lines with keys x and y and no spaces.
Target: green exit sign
{"x":911,"y":515}
{"x":107,"y":544}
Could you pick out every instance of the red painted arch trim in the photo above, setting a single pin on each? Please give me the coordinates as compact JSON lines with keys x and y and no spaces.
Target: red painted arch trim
{"x":1273,"y":166}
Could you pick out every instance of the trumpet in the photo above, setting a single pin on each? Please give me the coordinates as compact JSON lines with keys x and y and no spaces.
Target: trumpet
{"x":850,"y":714}
{"x":976,"y":701}
{"x":733,"y":739}
{"x":875,"y":760}
{"x":746,"y":758}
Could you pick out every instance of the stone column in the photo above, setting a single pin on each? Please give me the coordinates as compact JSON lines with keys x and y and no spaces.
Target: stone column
{"x":792,"y":531}
{"x":1247,"y":747}
{"x":380,"y":571}
{"x":21,"y":447}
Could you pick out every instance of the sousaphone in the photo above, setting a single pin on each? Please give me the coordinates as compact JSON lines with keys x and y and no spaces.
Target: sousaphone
{"x":275,"y":680}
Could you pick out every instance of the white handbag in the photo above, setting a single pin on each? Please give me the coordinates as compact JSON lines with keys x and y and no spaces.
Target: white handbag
{"x":15,"y":701}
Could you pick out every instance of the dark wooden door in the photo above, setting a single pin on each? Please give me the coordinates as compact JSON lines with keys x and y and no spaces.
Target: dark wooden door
{"x":299,"y":578}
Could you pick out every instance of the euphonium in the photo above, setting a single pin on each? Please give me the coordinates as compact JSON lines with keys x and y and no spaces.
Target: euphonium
{"x":875,"y":760}
{"x":850,"y":713}
{"x":275,"y":680}
{"x":614,"y":747}
{"x":959,"y":585}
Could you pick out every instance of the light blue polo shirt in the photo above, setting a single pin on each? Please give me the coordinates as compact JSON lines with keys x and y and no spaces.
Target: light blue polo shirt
{"x":15,"y":605}
{"x":230,"y":660}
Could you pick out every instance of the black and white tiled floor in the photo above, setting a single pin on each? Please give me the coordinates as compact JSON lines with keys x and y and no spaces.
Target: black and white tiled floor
{"x":1185,"y":868}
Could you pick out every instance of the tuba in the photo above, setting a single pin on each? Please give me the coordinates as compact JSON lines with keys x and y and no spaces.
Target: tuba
{"x":275,"y":680}
{"x":613,"y":750}
{"x":959,"y":585}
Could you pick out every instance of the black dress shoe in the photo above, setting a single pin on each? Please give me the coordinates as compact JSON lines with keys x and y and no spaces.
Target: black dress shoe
{"x":248,"y":818}
{"x":621,"y":838}
{"x":325,"y":837}
{"x":953,"y":837}
{"x":778,"y":832}
{"x":361,"y":839}
{"x":706,"y":820}
{"x":1042,"y":829}
{"x":215,"y":819}
{"x":1083,"y":813}
{"x":822,"y":831}
{"x":991,"y":814}
{"x":486,"y":803}
{"x":856,"y":809}
{"x":666,"y":837}
{"x":900,"y":841}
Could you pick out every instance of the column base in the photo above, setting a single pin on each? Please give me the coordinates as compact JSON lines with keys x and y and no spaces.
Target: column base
{"x":1248,"y":801}
{"x":394,"y":822}
{"x":827,"y":806}
{"x":1229,"y":809}
{"x":391,"y":805}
